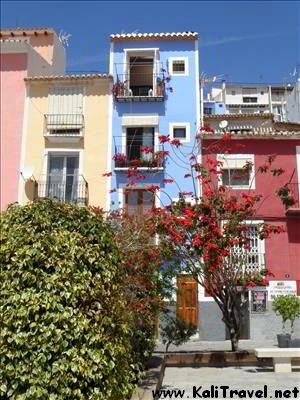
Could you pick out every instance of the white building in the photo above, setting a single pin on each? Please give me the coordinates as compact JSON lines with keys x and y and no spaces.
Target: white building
{"x":252,"y":99}
{"x":293,"y":104}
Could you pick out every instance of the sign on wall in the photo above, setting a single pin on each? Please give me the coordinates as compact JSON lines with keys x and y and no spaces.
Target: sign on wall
{"x":282,"y":288}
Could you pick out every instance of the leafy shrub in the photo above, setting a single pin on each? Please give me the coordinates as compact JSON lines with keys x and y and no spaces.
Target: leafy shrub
{"x":141,"y":261}
{"x":288,"y":307}
{"x":64,"y":330}
{"x":176,"y":331}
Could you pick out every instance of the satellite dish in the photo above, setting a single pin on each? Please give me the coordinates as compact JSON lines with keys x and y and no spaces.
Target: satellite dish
{"x":27,"y":172}
{"x":223,"y":124}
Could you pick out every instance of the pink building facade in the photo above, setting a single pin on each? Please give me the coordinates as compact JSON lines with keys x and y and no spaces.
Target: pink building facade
{"x":23,"y":53}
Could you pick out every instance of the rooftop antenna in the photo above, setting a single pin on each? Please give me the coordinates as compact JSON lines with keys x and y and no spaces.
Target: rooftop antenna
{"x":64,"y":38}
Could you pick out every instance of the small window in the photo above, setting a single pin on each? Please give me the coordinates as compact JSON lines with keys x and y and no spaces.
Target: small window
{"x":179,"y":133}
{"x":207,"y":111}
{"x":237,"y":171}
{"x":178,"y":66}
{"x":249,"y":99}
{"x":233,"y":92}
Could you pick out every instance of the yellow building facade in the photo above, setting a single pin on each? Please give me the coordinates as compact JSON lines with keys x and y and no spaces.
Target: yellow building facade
{"x":66,"y":136}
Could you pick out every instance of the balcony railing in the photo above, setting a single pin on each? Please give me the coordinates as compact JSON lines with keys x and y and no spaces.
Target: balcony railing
{"x":143,"y":87}
{"x":70,"y":189}
{"x":139,"y":156}
{"x":64,"y":127}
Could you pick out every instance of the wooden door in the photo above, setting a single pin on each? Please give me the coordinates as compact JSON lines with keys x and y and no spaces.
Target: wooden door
{"x":139,"y":202}
{"x":187,"y":299}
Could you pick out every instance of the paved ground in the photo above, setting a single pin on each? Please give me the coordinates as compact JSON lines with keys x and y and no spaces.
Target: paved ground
{"x":237,"y":378}
{"x":197,"y":345}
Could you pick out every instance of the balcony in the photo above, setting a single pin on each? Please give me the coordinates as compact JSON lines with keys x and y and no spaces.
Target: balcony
{"x":141,"y":157}
{"x":64,"y":127}
{"x":139,"y":88}
{"x":291,"y":200}
{"x":70,"y":189}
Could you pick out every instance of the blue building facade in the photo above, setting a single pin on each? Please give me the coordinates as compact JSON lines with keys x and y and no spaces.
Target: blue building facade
{"x":213,"y":108}
{"x":156,"y":92}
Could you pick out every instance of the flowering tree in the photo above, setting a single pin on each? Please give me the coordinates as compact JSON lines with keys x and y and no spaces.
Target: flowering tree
{"x":206,"y":231}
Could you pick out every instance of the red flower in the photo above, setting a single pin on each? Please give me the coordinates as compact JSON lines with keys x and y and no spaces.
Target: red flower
{"x":176,"y":142}
{"x":250,"y":284}
{"x":164,"y":138}
{"x":147,"y":149}
{"x":152,"y":188}
{"x":107,"y":174}
{"x":168,"y":180}
{"x":263,"y":282}
{"x":207,"y":128}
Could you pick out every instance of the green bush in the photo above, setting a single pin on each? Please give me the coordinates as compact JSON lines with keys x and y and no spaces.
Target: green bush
{"x":288,"y":307}
{"x":64,"y":323}
{"x":176,"y":331}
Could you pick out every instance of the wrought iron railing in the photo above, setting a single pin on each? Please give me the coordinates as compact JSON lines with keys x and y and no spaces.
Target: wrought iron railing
{"x":139,"y":156}
{"x":139,"y":85}
{"x":68,"y":189}
{"x":63,"y":123}
{"x":247,"y":261}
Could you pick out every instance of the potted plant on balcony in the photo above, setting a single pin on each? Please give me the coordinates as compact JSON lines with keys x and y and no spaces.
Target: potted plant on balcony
{"x":120,"y":160}
{"x":288,"y":307}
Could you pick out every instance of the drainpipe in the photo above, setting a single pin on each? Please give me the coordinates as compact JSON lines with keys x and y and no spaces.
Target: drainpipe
{"x":270,"y":99}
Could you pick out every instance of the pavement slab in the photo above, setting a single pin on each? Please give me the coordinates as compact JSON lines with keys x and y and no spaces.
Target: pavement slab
{"x":236,"y":378}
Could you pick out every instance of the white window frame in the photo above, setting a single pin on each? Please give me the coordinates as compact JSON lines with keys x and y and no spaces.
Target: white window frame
{"x":246,"y":157}
{"x":185,"y":125}
{"x":186,"y":66}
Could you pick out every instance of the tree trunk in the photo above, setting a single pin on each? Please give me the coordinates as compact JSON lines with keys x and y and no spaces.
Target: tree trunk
{"x":231,"y":318}
{"x":234,"y":337}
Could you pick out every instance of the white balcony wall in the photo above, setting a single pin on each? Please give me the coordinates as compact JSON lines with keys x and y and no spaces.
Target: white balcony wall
{"x":235,"y":95}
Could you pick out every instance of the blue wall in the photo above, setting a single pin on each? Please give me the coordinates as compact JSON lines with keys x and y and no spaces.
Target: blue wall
{"x":178,"y":106}
{"x":216,"y":108}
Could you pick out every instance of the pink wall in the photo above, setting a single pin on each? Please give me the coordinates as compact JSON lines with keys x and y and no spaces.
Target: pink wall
{"x":13,"y":72}
{"x":283,"y":250}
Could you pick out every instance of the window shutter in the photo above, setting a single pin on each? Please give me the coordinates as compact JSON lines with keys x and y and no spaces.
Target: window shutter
{"x":237,"y":163}
{"x":66,"y":100}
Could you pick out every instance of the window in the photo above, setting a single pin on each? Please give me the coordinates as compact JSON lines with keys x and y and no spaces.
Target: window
{"x":235,"y":172}
{"x":252,"y":257}
{"x":233,"y":92}
{"x":179,"y":133}
{"x":180,"y":130}
{"x":249,"y":99}
{"x":178,"y":66}
{"x":62,"y":179}
{"x":208,"y":111}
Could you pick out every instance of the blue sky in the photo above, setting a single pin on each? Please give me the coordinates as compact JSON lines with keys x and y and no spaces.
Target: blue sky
{"x":255,"y":41}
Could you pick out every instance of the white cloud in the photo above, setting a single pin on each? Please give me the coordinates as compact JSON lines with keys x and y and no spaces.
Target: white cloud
{"x":230,"y":39}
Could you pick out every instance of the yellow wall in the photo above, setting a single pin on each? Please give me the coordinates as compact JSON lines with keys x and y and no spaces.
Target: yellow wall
{"x":93,"y":147}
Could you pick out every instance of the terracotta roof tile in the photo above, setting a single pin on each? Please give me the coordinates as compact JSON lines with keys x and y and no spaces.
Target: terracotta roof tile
{"x":154,"y":36}
{"x":68,"y":77}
